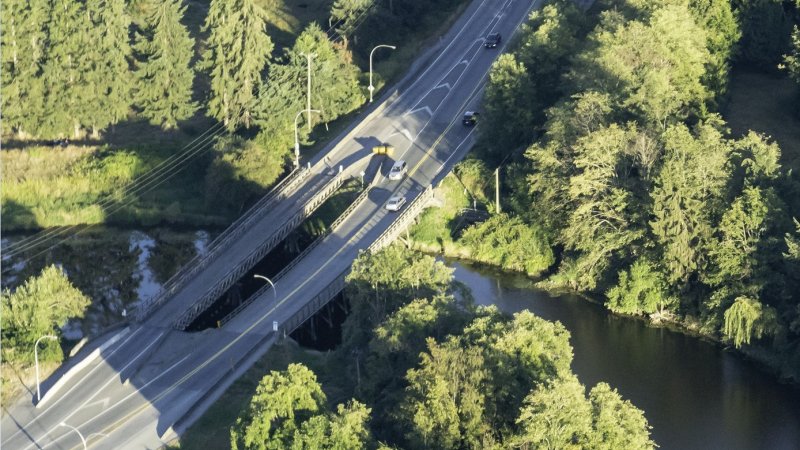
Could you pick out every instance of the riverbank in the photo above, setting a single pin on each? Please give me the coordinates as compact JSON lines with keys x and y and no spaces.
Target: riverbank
{"x":439,"y":231}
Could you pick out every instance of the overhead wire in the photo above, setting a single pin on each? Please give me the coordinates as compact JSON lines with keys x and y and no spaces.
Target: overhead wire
{"x":162,"y":172}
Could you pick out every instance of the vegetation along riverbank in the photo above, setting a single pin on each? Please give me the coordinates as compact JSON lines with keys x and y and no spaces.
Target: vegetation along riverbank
{"x":630,"y":187}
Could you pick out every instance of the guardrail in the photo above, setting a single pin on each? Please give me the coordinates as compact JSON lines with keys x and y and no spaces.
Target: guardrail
{"x":316,"y":303}
{"x":236,"y":229}
{"x":406,"y":217}
{"x":358,"y":200}
{"x":257,"y":254}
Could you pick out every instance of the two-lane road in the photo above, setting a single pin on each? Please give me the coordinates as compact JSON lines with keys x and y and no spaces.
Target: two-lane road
{"x":142,"y":385}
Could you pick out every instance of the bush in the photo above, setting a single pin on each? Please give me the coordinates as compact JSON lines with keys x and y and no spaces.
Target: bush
{"x":509,"y":243}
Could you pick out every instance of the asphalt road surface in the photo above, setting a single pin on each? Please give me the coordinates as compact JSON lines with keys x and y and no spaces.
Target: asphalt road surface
{"x":150,"y":381}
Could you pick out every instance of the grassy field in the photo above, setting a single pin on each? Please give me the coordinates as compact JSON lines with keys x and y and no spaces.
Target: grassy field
{"x":769,"y":105}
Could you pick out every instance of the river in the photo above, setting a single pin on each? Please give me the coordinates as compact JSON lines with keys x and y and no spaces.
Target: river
{"x":695,"y":394}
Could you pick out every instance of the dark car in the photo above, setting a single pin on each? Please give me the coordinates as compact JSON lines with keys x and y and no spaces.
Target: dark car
{"x":492,"y":40}
{"x":470,"y":118}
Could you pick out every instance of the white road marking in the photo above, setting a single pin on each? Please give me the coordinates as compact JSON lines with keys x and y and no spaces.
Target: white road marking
{"x":124,"y":399}
{"x":427,"y":109}
{"x":444,"y":85}
{"x":117,"y":376}
{"x":404,"y":132}
{"x":454,"y":152}
{"x":74,"y":385}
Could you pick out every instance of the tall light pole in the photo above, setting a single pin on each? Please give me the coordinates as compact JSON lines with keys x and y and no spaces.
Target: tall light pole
{"x":274,"y":291}
{"x":36,"y":362}
{"x":371,"y":87}
{"x":308,"y":96}
{"x":76,"y":430}
{"x":297,"y":139}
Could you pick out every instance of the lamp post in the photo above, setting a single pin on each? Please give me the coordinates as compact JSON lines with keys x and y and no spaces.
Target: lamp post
{"x":76,"y":430}
{"x":296,"y":138}
{"x":274,"y":291}
{"x":371,"y":87}
{"x":36,"y":362}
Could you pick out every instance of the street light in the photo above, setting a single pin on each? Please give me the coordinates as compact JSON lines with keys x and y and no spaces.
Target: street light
{"x":76,"y":430}
{"x":296,"y":138}
{"x":274,"y":291}
{"x":371,"y":87}
{"x":36,"y":361}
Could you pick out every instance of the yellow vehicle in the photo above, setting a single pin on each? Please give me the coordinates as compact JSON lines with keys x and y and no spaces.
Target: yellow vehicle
{"x":383,"y":149}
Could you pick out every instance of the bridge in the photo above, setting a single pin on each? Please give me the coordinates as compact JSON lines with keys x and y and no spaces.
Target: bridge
{"x":142,"y":385}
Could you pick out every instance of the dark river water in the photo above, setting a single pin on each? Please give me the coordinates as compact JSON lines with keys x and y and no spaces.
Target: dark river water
{"x":694,"y":394}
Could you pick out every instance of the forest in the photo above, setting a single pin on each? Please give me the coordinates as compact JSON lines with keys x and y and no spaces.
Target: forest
{"x":616,"y":157}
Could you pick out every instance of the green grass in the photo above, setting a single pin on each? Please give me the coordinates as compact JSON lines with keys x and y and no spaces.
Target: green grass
{"x":47,"y":187}
{"x":434,"y":228}
{"x":769,"y":105}
{"x":212,"y":431}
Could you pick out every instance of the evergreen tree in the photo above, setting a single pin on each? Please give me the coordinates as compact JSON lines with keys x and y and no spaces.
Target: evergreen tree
{"x":791,"y":61}
{"x":652,"y":67}
{"x":106,"y":61}
{"x":23,"y":49}
{"x":446,"y":396}
{"x":163,"y":75}
{"x":347,"y":14}
{"x":67,"y":90}
{"x":741,"y":231}
{"x":602,"y":222}
{"x":688,"y":192}
{"x":722,"y":30}
{"x":237,"y":55}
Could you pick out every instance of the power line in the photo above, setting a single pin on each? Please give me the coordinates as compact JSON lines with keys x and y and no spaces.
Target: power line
{"x":149,"y":181}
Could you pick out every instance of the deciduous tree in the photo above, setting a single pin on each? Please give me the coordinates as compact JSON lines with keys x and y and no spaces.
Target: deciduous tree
{"x":641,"y":289}
{"x":40,"y":306}
{"x":748,"y":319}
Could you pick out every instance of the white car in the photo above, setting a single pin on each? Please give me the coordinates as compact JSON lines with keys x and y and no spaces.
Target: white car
{"x":398,"y":170}
{"x":395,"y":203}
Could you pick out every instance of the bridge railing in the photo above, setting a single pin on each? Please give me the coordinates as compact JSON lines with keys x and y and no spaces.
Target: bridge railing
{"x":404,"y":220}
{"x":297,"y":259}
{"x":310,"y":308}
{"x":282,"y":190}
{"x":235,"y":273}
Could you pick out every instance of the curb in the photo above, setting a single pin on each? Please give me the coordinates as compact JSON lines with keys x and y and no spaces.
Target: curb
{"x":72,"y":371}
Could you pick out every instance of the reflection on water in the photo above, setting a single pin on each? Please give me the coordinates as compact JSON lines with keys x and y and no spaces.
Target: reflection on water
{"x":695,"y":395}
{"x":115,"y":268}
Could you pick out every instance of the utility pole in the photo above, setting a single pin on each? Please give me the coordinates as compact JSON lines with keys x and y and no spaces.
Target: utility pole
{"x":497,"y":189}
{"x":308,"y":96}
